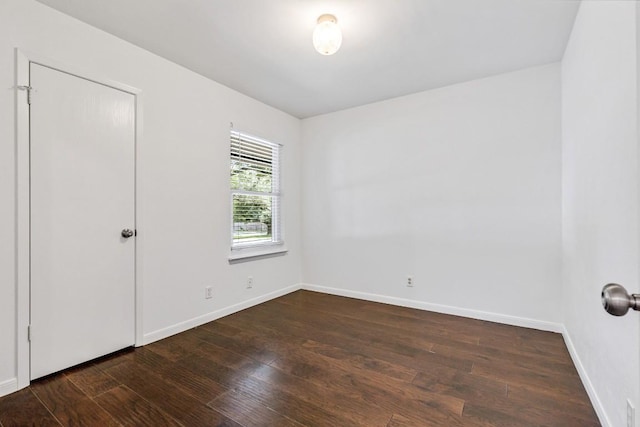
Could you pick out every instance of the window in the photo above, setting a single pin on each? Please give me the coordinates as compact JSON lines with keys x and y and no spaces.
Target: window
{"x":255,"y":192}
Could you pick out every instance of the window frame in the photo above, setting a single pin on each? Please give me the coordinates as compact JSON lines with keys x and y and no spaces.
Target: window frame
{"x":258,"y":248}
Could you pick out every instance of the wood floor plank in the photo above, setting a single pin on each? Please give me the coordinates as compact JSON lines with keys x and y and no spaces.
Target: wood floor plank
{"x":175,"y":347}
{"x":305,"y":408}
{"x":168,"y":396}
{"x":205,"y":416}
{"x":374,"y":390}
{"x":493,"y":417}
{"x":201,"y":387}
{"x":398,"y":420}
{"x":91,"y":379}
{"x":573,"y":404}
{"x":461,"y":385}
{"x":114,"y":358}
{"x":249,"y":412}
{"x":402,"y":420}
{"x":152,"y":387}
{"x":505,"y":413}
{"x":341,"y":398}
{"x":23,"y":408}
{"x":244,"y":347}
{"x":274,"y":389}
{"x":220,"y":365}
{"x":513,"y":374}
{"x":361,"y":361}
{"x":130,"y":409}
{"x":69,"y":404}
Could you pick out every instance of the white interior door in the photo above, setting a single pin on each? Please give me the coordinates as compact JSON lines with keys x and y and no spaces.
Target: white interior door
{"x":82,"y":197}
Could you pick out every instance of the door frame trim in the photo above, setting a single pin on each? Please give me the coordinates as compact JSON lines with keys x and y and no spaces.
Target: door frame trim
{"x":23,"y":200}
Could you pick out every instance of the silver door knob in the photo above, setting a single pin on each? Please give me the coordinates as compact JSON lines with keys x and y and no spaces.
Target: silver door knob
{"x":126,"y":233}
{"x":617,"y":301}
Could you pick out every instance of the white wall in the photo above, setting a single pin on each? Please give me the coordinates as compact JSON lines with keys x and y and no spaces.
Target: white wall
{"x":459,"y":187}
{"x":600,"y":198}
{"x":184,"y":202}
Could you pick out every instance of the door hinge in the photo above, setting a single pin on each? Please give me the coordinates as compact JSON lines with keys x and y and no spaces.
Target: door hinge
{"x":29,"y":333}
{"x":28,"y":89}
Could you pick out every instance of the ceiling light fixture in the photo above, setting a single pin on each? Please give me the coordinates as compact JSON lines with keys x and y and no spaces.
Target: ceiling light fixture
{"x":327,"y":36}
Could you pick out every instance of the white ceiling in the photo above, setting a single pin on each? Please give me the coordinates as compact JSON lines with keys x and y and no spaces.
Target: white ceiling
{"x":390,"y":48}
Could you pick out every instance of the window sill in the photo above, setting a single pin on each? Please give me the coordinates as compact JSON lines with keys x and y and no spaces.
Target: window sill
{"x":249,"y":254}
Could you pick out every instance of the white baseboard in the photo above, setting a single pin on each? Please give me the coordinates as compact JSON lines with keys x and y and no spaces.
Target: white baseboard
{"x":586,"y":381}
{"x":201,"y":320}
{"x":8,"y":386}
{"x":439,"y":308}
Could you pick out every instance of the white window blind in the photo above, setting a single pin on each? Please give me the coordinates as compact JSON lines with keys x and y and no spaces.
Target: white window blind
{"x":255,"y":191}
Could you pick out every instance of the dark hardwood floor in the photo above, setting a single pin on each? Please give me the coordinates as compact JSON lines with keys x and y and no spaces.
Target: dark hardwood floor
{"x":309,"y":359}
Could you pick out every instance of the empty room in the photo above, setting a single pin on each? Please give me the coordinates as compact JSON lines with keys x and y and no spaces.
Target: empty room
{"x":319,"y":213}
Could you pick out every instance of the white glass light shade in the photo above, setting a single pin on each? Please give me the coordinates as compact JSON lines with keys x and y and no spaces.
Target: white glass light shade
{"x":327,"y":36}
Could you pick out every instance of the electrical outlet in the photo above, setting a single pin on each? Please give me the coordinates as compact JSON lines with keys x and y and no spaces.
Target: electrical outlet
{"x":249,"y":282}
{"x":631,"y":414}
{"x":208,"y":292}
{"x":410,"y":281}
